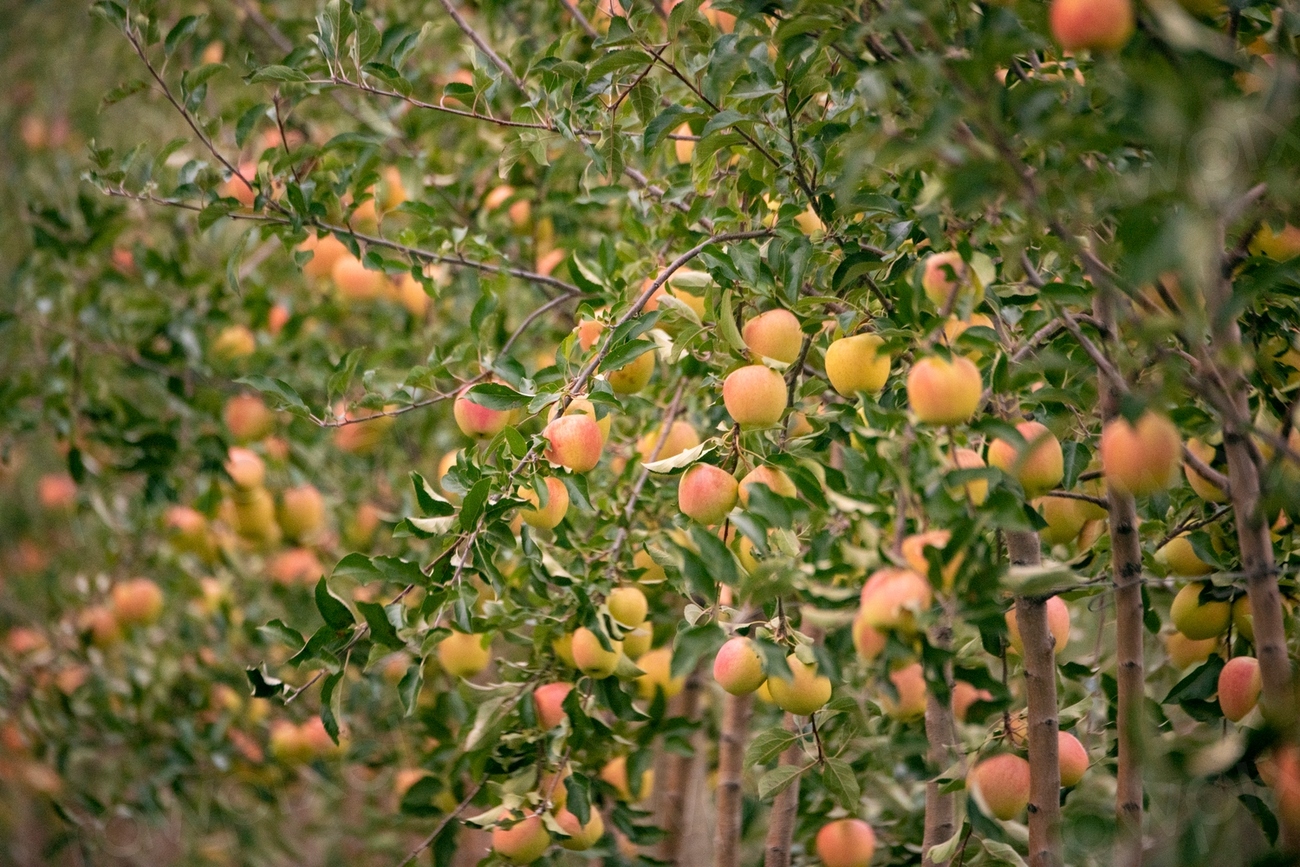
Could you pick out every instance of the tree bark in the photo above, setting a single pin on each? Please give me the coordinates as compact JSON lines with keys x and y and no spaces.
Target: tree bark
{"x":941,"y":731}
{"x":731,"y":751}
{"x":1126,"y":571}
{"x":780,"y":829}
{"x":1040,"y":684}
{"x":678,"y":777}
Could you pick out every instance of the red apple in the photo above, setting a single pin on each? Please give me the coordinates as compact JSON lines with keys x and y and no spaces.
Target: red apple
{"x":775,"y":334}
{"x":1104,"y":25}
{"x":755,"y":396}
{"x":1143,"y":458}
{"x":846,"y":843}
{"x":942,"y":391}
{"x":575,"y":442}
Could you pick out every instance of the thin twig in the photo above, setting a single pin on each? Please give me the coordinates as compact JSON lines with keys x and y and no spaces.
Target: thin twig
{"x":483,"y":46}
{"x":446,"y":820}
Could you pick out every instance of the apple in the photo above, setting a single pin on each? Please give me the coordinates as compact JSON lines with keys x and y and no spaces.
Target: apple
{"x":1072,"y":759}
{"x":1000,"y":785}
{"x":237,"y":185}
{"x":738,"y":666}
{"x":1179,"y":557}
{"x":247,"y":417}
{"x":775,"y":334}
{"x":354,"y":282}
{"x":56,"y":492}
{"x":245,"y":468}
{"x":651,"y":572}
{"x":360,"y":529}
{"x":657,"y":665}
{"x":1058,"y":624}
{"x":913,"y":551}
{"x":963,"y":696}
{"x":755,"y":396}
{"x":549,"y":701}
{"x":497,"y":196}
{"x":804,"y":692}
{"x":575,"y":442}
{"x":1039,"y":465}
{"x":1143,"y":458}
{"x":1281,"y":771}
{"x":1243,"y":618}
{"x":977,"y":490}
{"x":361,"y":437}
{"x":683,"y":148}
{"x":581,"y":837}
{"x":1278,"y":245}
{"x":628,"y":606}
{"x":295,"y":566}
{"x":326,"y":251}
{"x":445,"y":463}
{"x":857,"y":364}
{"x":591,"y":658}
{"x":633,"y":376}
{"x":476,"y":420}
{"x":615,"y":773}
{"x":1064,"y":519}
{"x":464,"y":655}
{"x":234,"y":342}
{"x":892,"y":598}
{"x":318,"y":741}
{"x":1199,"y":621}
{"x":254,"y":516}
{"x":636,"y":642}
{"x":707,"y":493}
{"x":557,"y":505}
{"x":137,"y":602}
{"x":1184,"y":652}
{"x":22,"y":640}
{"x":845,"y":843}
{"x":776,"y":481}
{"x":909,"y":682}
{"x":589,"y":331}
{"x":409,"y":292}
{"x":955,"y":327}
{"x":1204,"y":488}
{"x":1240,"y":684}
{"x":551,"y":784}
{"x":287,"y":744}
{"x":563,"y":647}
{"x":867,"y":641}
{"x":276,"y":318}
{"x":100,"y":623}
{"x":582,"y":406}
{"x":942,"y":391}
{"x":681,"y":437}
{"x":523,"y":842}
{"x":302,"y":512}
{"x":1102,"y":25}
{"x":946,"y":281}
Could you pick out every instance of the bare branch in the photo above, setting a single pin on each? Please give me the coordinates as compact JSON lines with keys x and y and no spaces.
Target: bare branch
{"x":483,"y":46}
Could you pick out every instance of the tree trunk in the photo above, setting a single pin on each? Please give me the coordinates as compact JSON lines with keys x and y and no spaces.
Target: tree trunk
{"x":780,"y":829}
{"x":678,"y":777}
{"x":941,"y":731}
{"x":1040,"y":684}
{"x":731,"y":751}
{"x":1126,"y":571}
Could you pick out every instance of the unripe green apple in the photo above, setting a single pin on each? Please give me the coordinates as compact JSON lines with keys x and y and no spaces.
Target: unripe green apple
{"x":651,"y":572}
{"x":755,"y":396}
{"x":857,"y":364}
{"x":636,"y":642}
{"x":1102,"y":25}
{"x":1197,"y":621}
{"x":1072,"y":759}
{"x":946,"y":281}
{"x":247,"y":417}
{"x":557,"y":505}
{"x":913,"y":551}
{"x":1058,"y":624}
{"x":804,"y":692}
{"x":657,"y":665}
{"x":633,"y":376}
{"x":892,"y":598}
{"x":909,"y":683}
{"x":591,"y":658}
{"x":137,"y":602}
{"x":464,"y":655}
{"x":1000,"y":784}
{"x":942,"y":391}
{"x":774,"y":334}
{"x":681,"y":437}
{"x":615,"y":773}
{"x":846,"y":843}
{"x":977,"y":490}
{"x":1204,"y":488}
{"x":523,"y":842}
{"x":1143,"y":458}
{"x":581,"y":837}
{"x":302,"y":512}
{"x":245,"y":468}
{"x":628,"y":606}
{"x":549,"y":701}
{"x":575,"y":442}
{"x":1064,"y":519}
{"x":255,"y":516}
{"x":476,"y":420}
{"x":1039,"y":466}
{"x":776,"y":480}
{"x":738,"y":667}
{"x":1179,"y":557}
{"x":1240,"y":684}
{"x":867,"y":641}
{"x":707,"y":493}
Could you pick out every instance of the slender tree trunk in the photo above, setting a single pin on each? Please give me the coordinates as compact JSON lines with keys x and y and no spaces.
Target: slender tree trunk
{"x":1040,"y":684}
{"x":731,"y":750}
{"x":1126,"y":570}
{"x":680,"y":770}
{"x":780,"y":828}
{"x":941,"y":731}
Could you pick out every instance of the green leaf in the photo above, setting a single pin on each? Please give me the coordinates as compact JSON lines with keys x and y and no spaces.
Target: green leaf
{"x":776,"y":780}
{"x":767,"y":745}
{"x":341,"y":378}
{"x":431,"y":505}
{"x":625,"y":354}
{"x":494,"y":395}
{"x":1200,"y":684}
{"x":277,"y":630}
{"x":331,"y":704}
{"x":727,"y":323}
{"x":357,"y":566}
{"x":472,"y":506}
{"x":183,"y":29}
{"x":645,"y":99}
{"x":286,"y":396}
{"x":331,"y":608}
{"x":381,"y":630}
{"x":694,"y":643}
{"x":277,"y":74}
{"x":667,"y":121}
{"x":408,"y":690}
{"x":122,"y":91}
{"x":616,"y":60}
{"x":264,"y":686}
{"x":842,"y":783}
{"x":722,"y":120}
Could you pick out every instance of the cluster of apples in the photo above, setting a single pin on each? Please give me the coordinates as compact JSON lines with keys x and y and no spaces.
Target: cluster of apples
{"x":301,"y":743}
{"x":135,"y":602}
